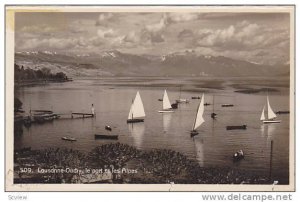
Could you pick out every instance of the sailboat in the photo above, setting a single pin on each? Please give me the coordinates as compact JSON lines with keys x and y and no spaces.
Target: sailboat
{"x":199,"y":117}
{"x":270,"y":115}
{"x":137,"y":112}
{"x":166,"y":104}
{"x":182,"y":100}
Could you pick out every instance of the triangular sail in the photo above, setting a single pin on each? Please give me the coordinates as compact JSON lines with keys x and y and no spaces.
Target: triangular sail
{"x":199,"y":117}
{"x":166,"y":101}
{"x":262,"y":117}
{"x":271,"y":114}
{"x":137,"y":108}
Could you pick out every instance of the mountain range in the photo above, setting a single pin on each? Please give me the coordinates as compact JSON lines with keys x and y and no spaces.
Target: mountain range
{"x":116,"y":63}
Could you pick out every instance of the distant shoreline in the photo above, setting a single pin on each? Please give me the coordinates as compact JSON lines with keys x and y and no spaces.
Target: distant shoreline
{"x":245,"y":85}
{"x":40,"y":82}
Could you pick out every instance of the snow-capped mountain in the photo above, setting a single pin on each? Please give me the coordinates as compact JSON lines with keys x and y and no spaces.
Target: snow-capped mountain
{"x":114,"y":62}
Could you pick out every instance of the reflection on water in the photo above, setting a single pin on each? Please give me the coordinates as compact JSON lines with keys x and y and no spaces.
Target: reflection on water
{"x":199,"y":147}
{"x":213,"y":146}
{"x":137,"y":131}
{"x":166,"y":121}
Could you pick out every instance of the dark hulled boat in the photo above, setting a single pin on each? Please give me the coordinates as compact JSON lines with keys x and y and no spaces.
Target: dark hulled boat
{"x":242,"y":127}
{"x":109,"y":137}
{"x":134,"y":120}
{"x":239,"y":155}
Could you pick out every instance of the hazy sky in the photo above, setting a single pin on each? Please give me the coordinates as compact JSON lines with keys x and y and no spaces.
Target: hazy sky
{"x":255,"y":37}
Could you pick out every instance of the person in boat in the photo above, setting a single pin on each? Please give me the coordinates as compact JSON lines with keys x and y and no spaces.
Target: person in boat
{"x":238,"y":155}
{"x":107,"y":127}
{"x":213,"y":115}
{"x":93,"y":110}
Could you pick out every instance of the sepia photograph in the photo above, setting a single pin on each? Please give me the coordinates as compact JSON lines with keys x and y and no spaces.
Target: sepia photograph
{"x":149,"y":98}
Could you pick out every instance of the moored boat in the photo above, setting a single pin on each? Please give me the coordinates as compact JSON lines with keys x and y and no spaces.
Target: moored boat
{"x":239,"y":155}
{"x":68,"y":138}
{"x":213,"y":115}
{"x":242,"y":127}
{"x":227,"y":105}
{"x":282,"y":112}
{"x":174,"y":105}
{"x":167,"y":108}
{"x":42,"y":117}
{"x":110,"y":137}
{"x":108,"y":128}
{"x":181,"y":100}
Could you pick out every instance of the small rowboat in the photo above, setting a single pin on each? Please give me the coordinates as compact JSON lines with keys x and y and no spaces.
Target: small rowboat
{"x":239,"y":155}
{"x":242,"y":127}
{"x":227,"y":105}
{"x":108,"y":128}
{"x":68,"y":138}
{"x":109,"y":137}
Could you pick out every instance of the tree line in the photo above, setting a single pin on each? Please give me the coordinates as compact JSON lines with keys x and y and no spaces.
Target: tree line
{"x":22,"y":74}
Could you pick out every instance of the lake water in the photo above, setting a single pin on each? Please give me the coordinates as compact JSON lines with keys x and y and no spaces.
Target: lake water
{"x":112,"y":97}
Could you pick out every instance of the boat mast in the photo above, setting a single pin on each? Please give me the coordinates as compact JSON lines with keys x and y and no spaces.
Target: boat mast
{"x":213,"y":103}
{"x":179,"y":92}
{"x":132,"y":110}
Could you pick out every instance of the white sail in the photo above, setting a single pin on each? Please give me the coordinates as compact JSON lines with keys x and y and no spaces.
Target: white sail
{"x":130,"y":115}
{"x":262,"y":117}
{"x":271,"y":114}
{"x":137,"y":108}
{"x":166,"y":101}
{"x":199,"y":117}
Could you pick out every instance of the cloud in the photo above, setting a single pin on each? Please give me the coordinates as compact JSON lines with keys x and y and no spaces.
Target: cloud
{"x":181,"y":17}
{"x":132,"y":37}
{"x":158,"y":26}
{"x":81,"y":26}
{"x":41,"y":28}
{"x":49,"y":43}
{"x":156,"y":38}
{"x":185,"y":34}
{"x":103,"y":17}
{"x":106,"y":33}
{"x":241,"y":36}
